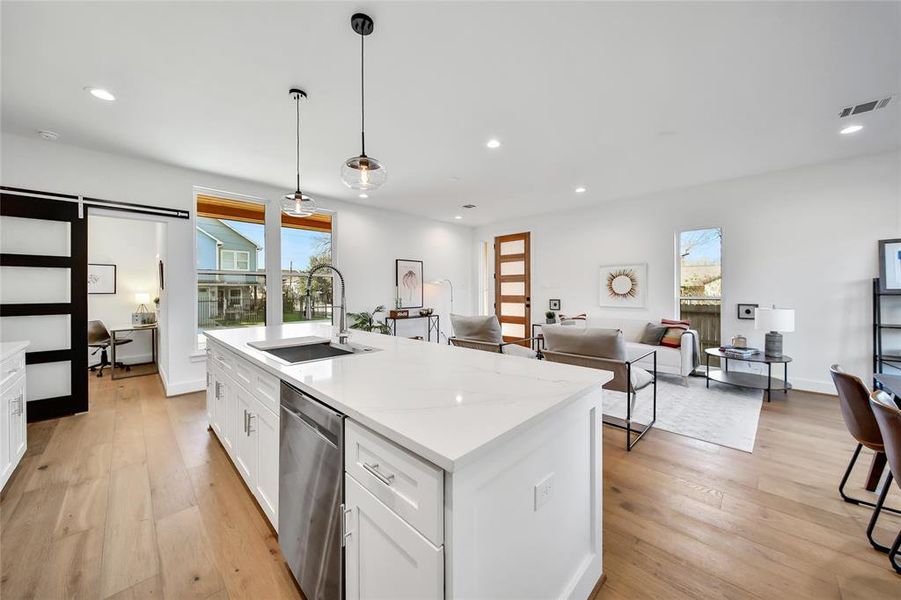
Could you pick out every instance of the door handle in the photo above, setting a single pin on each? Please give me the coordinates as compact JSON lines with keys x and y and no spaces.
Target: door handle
{"x":250,"y":416}
{"x":374,"y":470}
{"x":217,"y":390}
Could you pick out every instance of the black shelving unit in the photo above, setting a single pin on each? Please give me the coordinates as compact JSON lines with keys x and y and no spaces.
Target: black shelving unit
{"x":883,"y":356}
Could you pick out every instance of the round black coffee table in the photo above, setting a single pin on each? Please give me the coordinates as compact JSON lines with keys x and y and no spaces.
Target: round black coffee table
{"x":750,"y":380}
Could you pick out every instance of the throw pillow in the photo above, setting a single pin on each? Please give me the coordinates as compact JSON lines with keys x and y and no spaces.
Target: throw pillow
{"x":674,"y":330}
{"x":653,"y":334}
{"x":479,"y":328}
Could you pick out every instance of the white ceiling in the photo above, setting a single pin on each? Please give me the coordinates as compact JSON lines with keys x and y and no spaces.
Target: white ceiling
{"x":624,"y":98}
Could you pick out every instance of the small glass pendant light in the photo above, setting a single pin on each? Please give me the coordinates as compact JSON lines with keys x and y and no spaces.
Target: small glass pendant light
{"x":362,"y":172}
{"x":298,"y":204}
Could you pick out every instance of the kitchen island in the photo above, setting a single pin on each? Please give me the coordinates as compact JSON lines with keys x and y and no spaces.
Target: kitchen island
{"x":467,"y":474}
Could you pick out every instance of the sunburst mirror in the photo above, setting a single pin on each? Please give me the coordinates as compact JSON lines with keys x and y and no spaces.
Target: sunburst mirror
{"x":623,"y":286}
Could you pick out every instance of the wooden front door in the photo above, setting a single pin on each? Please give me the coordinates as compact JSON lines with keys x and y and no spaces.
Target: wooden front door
{"x":512,"y":285}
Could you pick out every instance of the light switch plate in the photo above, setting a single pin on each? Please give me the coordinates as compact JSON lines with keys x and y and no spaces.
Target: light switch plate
{"x":544,"y":489}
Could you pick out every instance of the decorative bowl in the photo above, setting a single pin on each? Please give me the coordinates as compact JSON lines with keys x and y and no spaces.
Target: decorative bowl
{"x":425,"y":312}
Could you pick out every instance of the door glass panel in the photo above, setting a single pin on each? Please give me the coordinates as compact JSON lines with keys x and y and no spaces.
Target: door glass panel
{"x":513,"y":288}
{"x":34,"y":236}
{"x":43,"y":332}
{"x":48,"y":380}
{"x":34,"y":284}
{"x":513,"y":330}
{"x":513,"y":309}
{"x":514,"y":247}
{"x":513,"y":268}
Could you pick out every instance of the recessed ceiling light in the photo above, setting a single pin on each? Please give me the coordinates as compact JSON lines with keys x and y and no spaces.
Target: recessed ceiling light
{"x":364,"y":196}
{"x":458,"y":217}
{"x":581,"y":189}
{"x":48,"y":135}
{"x":100,"y":93}
{"x":492,"y":143}
{"x":851,"y":129}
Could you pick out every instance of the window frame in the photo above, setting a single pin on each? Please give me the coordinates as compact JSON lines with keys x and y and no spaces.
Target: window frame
{"x":272,"y":244}
{"x":235,"y":254}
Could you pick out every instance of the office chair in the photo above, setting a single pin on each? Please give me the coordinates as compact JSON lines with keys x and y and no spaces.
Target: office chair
{"x":99,"y":339}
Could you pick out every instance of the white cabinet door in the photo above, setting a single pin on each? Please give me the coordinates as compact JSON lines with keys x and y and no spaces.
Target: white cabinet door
{"x":385,"y":557}
{"x":210,"y":391}
{"x":17,"y":424}
{"x":230,"y":421}
{"x":7,"y":407}
{"x":216,"y":412}
{"x":246,"y":442}
{"x":264,"y":425}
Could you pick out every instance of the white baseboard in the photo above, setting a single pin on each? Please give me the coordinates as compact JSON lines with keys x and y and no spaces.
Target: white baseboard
{"x":181,"y":387}
{"x":813,"y":385}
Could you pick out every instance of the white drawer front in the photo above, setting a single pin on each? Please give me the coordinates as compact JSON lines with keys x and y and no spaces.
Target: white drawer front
{"x":263,"y":386}
{"x":410,"y":486}
{"x":224,"y":359}
{"x":11,"y":369}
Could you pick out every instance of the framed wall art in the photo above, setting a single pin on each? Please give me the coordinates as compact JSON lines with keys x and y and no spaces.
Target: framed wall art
{"x":408,"y":279}
{"x":101,"y":279}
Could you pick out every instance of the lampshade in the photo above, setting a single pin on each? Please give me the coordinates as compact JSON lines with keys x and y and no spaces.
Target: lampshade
{"x":774,"y":319}
{"x":142,"y":298}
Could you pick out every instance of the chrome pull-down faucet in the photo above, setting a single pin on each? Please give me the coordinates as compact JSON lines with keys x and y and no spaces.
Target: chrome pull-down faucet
{"x":342,"y":316}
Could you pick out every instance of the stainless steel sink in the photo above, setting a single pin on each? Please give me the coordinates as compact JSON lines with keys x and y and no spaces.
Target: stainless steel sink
{"x":307,"y":349}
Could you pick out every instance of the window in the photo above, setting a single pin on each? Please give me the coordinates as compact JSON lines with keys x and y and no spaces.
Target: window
{"x":306,"y":243}
{"x":231,"y":276}
{"x":701,"y":282}
{"x":234,"y":260}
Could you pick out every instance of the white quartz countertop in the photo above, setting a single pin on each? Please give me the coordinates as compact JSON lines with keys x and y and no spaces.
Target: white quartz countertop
{"x":446,"y":404}
{"x":7,"y":349}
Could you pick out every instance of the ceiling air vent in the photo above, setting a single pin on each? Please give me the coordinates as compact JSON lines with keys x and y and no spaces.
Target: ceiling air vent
{"x":864,"y":107}
{"x":469,"y":206}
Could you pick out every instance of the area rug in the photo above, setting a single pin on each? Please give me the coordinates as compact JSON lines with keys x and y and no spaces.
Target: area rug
{"x":723,"y":415}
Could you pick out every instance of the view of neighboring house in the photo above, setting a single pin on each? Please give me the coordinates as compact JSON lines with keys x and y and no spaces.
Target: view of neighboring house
{"x":223,"y":298}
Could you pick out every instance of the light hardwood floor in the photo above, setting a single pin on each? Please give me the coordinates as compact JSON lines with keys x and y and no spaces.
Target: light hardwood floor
{"x":135,"y":499}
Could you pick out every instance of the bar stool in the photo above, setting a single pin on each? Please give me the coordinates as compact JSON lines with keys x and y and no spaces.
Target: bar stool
{"x":888,"y":416}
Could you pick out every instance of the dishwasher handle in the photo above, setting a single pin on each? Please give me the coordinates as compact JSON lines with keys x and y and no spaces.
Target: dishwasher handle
{"x":312,"y":425}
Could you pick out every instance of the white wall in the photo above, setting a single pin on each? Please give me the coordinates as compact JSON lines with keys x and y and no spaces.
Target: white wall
{"x":131,"y":245}
{"x":802,"y":238}
{"x":367,"y":240}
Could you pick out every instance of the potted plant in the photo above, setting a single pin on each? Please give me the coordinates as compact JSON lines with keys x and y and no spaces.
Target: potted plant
{"x":365,"y":321}
{"x":550,"y":317}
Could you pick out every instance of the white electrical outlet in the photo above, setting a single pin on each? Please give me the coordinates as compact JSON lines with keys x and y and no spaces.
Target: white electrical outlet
{"x":544,"y":489}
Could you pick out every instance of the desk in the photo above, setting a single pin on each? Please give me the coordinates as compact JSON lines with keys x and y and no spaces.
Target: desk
{"x":433,"y":322}
{"x":132,"y":328}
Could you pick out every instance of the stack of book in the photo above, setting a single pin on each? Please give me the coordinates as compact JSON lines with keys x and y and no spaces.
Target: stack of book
{"x":733,"y":352}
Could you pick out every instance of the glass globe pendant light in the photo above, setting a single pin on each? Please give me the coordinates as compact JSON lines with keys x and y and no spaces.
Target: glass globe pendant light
{"x":362,"y":172}
{"x":298,"y":204}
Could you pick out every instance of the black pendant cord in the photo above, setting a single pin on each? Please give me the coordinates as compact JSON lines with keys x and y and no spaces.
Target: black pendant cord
{"x":297,"y":102}
{"x":363,"y":94}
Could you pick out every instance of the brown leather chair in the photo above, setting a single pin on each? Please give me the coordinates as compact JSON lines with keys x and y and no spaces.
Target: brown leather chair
{"x":854,"y":399}
{"x":888,"y":416}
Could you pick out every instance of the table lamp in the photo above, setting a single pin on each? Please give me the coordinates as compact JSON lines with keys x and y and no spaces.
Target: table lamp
{"x":142,"y":298}
{"x":773,"y":320}
{"x":143,"y":316}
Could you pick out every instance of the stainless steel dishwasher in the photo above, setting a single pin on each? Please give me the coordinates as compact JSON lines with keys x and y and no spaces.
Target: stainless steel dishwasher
{"x":311,"y":492}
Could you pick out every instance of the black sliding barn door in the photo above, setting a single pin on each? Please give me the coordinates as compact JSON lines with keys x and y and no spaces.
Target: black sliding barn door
{"x":44,"y":262}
